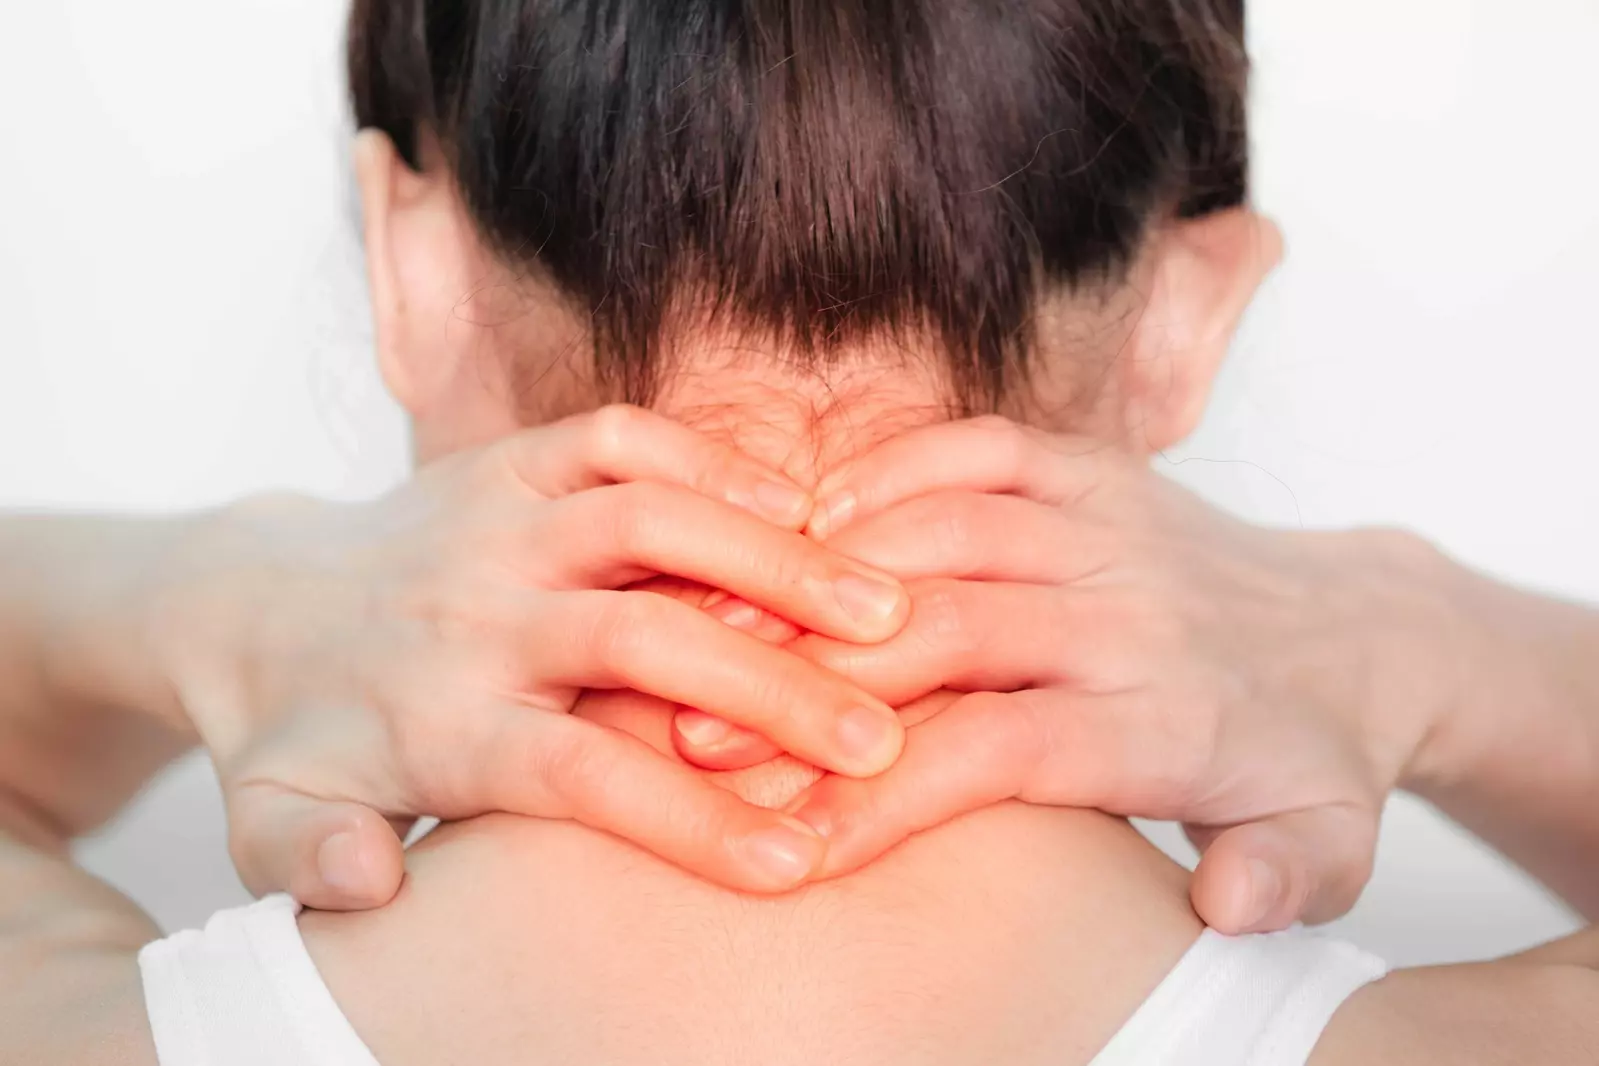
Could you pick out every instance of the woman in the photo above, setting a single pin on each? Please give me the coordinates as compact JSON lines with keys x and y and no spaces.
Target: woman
{"x":837,"y":239}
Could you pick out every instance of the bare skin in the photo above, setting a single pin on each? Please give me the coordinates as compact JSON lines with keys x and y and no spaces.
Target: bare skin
{"x":298,"y":641}
{"x":1014,"y":931}
{"x":1090,"y":595}
{"x":954,"y":948}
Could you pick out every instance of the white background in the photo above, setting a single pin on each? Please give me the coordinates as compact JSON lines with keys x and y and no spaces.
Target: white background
{"x":181,"y":322}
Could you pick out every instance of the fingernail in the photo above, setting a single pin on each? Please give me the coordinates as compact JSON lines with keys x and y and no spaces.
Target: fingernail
{"x":338,"y":861}
{"x":815,"y":815}
{"x":867,"y":600}
{"x":869,"y":737}
{"x":832,"y":514}
{"x":701,"y":729}
{"x":737,"y":613}
{"x":1265,"y":891}
{"x":780,"y":502}
{"x":786,"y":853}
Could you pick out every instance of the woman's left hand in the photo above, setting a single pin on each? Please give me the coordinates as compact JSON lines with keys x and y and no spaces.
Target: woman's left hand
{"x":420,"y":654}
{"x":1123,"y":647}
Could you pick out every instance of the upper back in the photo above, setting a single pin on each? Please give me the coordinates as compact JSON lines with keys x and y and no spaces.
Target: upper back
{"x":650,"y":976}
{"x":1016,"y":934}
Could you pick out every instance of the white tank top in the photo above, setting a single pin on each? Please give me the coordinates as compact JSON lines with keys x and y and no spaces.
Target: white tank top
{"x":244,"y":992}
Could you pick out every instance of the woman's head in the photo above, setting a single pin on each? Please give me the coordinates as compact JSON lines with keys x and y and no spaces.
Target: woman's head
{"x":928,"y":206}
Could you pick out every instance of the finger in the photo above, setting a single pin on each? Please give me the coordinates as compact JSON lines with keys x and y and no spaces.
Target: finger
{"x":977,"y":536}
{"x":328,"y":854}
{"x":622,"y":443}
{"x":988,"y":454}
{"x":748,"y":618}
{"x":983,"y":748}
{"x":558,"y":766}
{"x":999,"y":636}
{"x":1308,"y":865}
{"x":613,"y":536}
{"x":713,"y":743}
{"x":1049,"y":747}
{"x":676,"y":652}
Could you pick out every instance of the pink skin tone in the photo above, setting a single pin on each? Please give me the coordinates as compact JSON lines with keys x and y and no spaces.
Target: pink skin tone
{"x":1008,"y":539}
{"x":1154,"y":345}
{"x":496,"y":584}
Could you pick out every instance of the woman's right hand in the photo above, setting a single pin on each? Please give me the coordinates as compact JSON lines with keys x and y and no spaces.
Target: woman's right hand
{"x":353,"y":666}
{"x":1120,"y":645}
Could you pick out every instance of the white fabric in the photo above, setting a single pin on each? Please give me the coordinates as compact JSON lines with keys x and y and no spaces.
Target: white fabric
{"x":1244,"y":1001}
{"x":244,"y":992}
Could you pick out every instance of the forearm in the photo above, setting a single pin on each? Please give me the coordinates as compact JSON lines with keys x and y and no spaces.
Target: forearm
{"x":1514,"y":752}
{"x":86,"y":715}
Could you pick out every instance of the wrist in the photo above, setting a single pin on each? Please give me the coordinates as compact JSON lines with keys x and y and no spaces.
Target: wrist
{"x":1433,"y":652}
{"x":95,"y":652}
{"x":1392,"y":603}
{"x":1475,"y":664}
{"x":214,"y":602}
{"x":1520,"y":714}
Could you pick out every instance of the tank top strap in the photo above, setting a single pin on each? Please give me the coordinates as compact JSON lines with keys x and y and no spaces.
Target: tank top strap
{"x":1260,"y":1000}
{"x":244,"y":991}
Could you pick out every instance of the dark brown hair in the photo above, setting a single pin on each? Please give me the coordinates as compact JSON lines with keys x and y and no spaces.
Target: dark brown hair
{"x":820,"y":169}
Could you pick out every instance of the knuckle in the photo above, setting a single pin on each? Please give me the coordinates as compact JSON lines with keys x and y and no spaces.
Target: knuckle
{"x":1007,"y":440}
{"x":612,"y":431}
{"x":447,"y":606}
{"x":801,"y":564}
{"x":554,"y":764}
{"x":703,"y":826}
{"x":994,"y":425}
{"x":1181,"y":740}
{"x":567,"y":763}
{"x":622,"y":629}
{"x":635,"y":517}
{"x":711,"y":469}
{"x":953,"y":525}
{"x":776,"y":696}
{"x":447,"y":769}
{"x":1006,"y":733}
{"x":940,"y":621}
{"x":481,"y":478}
{"x":1121,"y":637}
{"x":691,"y":829}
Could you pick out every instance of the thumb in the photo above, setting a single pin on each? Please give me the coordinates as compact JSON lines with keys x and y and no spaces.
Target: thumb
{"x":327,"y":854}
{"x":1308,"y":865}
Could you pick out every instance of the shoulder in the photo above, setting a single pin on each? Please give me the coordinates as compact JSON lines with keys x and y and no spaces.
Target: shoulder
{"x":1489,"y":1014}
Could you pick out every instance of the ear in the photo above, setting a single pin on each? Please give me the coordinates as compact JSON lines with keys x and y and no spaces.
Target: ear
{"x":410,"y":229}
{"x":1205,"y":271}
